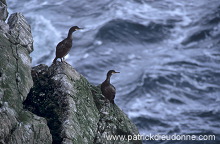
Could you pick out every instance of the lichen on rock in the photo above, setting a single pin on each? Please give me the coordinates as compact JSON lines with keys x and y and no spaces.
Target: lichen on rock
{"x":76,"y":111}
{"x":17,"y":125}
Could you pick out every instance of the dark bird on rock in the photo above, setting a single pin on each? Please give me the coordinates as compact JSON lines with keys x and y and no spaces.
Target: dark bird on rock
{"x":65,"y":45}
{"x":108,"y":90}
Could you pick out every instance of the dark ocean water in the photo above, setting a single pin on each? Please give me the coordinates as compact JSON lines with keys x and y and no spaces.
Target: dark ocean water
{"x":168,"y":53}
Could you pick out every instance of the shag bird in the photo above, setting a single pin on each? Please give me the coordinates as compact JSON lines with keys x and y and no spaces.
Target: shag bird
{"x":65,"y":45}
{"x":108,"y":90}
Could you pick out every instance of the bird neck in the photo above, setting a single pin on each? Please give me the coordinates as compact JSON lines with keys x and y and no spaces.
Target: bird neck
{"x":70,"y":35}
{"x":107,"y":79}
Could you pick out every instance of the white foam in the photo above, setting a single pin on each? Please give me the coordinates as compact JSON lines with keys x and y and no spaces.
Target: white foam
{"x":46,"y":36}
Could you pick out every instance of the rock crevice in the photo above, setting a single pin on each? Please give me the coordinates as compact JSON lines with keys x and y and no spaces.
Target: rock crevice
{"x":17,"y":125}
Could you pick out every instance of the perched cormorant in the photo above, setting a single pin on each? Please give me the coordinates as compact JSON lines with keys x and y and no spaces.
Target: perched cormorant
{"x":65,"y":45}
{"x":108,"y":90}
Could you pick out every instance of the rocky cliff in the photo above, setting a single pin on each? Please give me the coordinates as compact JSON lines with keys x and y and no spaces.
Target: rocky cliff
{"x":50,"y":104}
{"x":75,"y":110}
{"x":17,"y":126}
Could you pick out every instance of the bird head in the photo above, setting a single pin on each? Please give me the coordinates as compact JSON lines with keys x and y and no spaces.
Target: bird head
{"x":74,"y":28}
{"x":111,"y":72}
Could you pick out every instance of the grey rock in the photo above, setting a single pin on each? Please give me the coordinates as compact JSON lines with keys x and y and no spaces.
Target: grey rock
{"x":20,"y":30}
{"x":4,"y":28}
{"x":3,"y":1}
{"x":3,"y":10}
{"x":17,"y":126}
{"x":76,"y":111}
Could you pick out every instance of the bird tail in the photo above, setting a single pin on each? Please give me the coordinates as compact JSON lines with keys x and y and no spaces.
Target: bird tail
{"x":54,"y":61}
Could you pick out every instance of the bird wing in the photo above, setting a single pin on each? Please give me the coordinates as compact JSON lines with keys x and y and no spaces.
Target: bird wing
{"x":112,"y":91}
{"x":63,"y":48}
{"x":109,"y":92}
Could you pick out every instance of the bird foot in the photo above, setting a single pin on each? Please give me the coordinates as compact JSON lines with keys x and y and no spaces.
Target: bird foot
{"x":64,"y":62}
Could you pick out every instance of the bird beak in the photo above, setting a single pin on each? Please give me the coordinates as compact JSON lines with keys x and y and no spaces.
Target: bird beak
{"x":116,"y":72}
{"x":79,"y":28}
